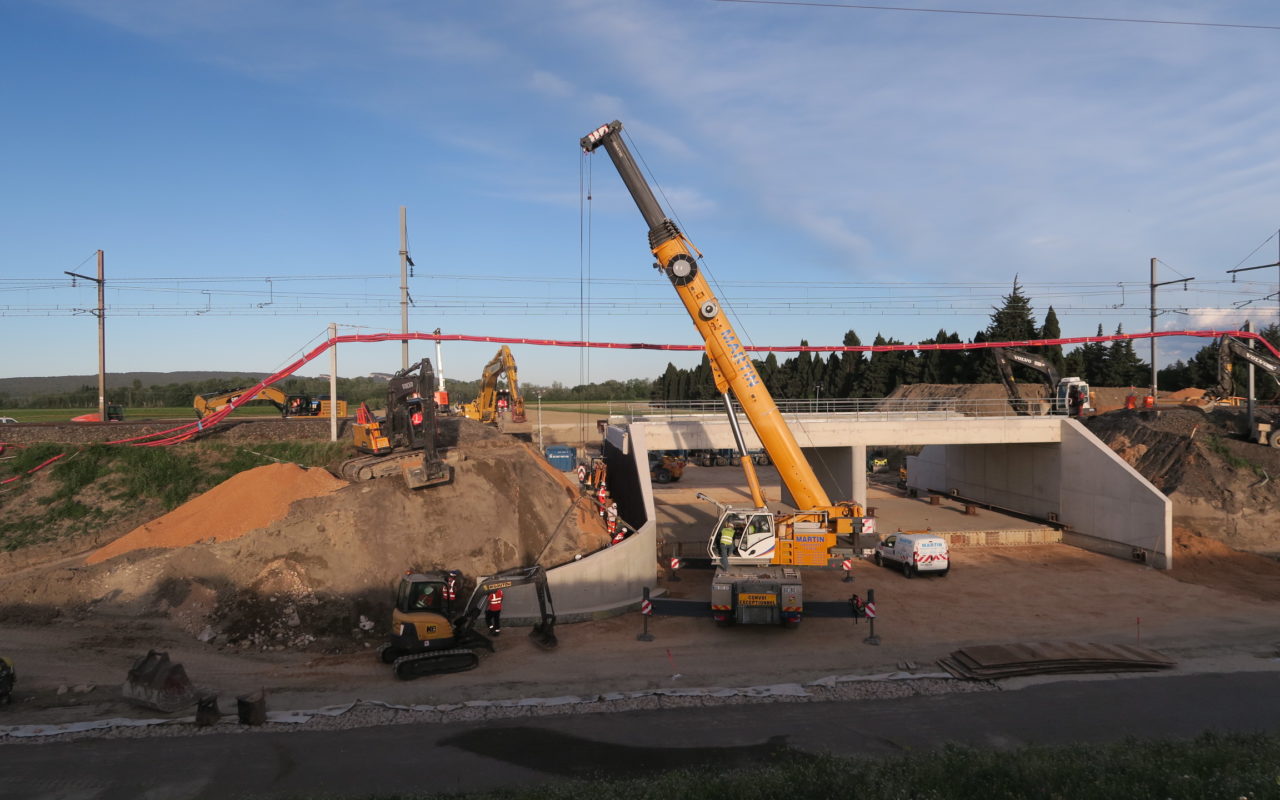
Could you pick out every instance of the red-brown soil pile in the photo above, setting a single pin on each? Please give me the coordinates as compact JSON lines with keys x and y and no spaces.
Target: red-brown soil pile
{"x":245,"y":502}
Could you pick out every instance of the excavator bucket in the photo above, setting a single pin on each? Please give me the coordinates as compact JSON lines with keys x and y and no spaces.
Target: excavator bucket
{"x":158,"y":683}
{"x":544,"y":635}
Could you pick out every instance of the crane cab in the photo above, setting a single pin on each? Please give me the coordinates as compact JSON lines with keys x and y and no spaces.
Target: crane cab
{"x":754,"y":536}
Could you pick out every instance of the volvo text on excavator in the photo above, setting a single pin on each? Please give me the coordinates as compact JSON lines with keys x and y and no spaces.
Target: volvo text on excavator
{"x":405,"y":441}
{"x":289,"y":405}
{"x":757,"y":581}
{"x":430,"y":636}
{"x":1059,"y":388}
{"x":495,"y":398}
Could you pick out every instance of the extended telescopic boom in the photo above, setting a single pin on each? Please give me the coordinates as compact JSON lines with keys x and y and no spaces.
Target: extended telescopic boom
{"x":733,"y":364}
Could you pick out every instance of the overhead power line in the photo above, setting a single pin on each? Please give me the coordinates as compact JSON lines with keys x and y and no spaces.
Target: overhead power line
{"x":1068,"y":17}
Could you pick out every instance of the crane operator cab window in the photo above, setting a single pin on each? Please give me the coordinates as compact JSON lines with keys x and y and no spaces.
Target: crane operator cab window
{"x":758,"y":536}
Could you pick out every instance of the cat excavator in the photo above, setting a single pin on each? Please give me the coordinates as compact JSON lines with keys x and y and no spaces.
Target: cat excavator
{"x":429,"y":637}
{"x":493,"y":398}
{"x":405,"y":440}
{"x":289,"y":405}
{"x":756,"y":581}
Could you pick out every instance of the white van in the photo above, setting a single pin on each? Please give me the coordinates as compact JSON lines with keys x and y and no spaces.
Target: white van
{"x":915,"y":553}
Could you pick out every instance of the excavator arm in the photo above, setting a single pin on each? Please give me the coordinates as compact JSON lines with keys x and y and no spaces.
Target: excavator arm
{"x":206,"y":404}
{"x":543,"y":633}
{"x":1004,"y":355}
{"x":1229,"y":348}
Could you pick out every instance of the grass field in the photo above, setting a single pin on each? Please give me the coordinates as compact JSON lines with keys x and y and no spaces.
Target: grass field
{"x":130,"y":414}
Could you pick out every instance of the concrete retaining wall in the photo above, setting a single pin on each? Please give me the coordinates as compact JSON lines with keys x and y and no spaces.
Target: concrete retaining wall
{"x":1106,"y":503}
{"x":611,"y":580}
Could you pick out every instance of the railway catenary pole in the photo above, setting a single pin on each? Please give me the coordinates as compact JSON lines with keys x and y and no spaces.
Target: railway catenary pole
{"x":404,"y":287}
{"x":1182,"y":281}
{"x":101,"y":313}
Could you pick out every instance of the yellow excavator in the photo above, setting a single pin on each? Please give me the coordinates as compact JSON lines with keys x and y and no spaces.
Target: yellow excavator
{"x":757,"y":581}
{"x":494,"y":398}
{"x":429,"y":637}
{"x":289,"y":405}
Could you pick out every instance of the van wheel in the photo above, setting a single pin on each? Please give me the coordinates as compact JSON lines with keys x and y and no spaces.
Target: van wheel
{"x":876,"y":558}
{"x":907,"y":571}
{"x":942,"y":573}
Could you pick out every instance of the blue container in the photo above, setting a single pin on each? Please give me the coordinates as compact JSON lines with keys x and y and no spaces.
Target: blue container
{"x":562,"y":458}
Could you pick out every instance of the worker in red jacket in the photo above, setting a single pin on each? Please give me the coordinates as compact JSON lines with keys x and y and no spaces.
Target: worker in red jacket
{"x":493,"y":613}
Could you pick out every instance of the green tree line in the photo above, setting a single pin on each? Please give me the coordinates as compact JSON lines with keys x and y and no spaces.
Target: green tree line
{"x":878,"y":374}
{"x":353,"y":390}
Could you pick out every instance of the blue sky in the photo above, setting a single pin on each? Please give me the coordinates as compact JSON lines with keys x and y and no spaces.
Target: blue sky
{"x":242,"y":164}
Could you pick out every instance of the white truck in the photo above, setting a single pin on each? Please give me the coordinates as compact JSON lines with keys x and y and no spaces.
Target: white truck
{"x":914,"y":553}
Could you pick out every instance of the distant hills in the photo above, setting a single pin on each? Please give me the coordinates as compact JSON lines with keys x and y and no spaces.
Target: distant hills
{"x":25,"y":387}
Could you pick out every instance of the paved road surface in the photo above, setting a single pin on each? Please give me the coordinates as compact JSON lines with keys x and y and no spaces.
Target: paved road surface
{"x":470,"y":757}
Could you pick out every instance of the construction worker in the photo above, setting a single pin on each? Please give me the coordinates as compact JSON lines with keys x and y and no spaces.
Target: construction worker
{"x":493,"y":613}
{"x":616,"y":534}
{"x":427,"y":599}
{"x":450,"y":590}
{"x":602,"y":497}
{"x":726,"y":542}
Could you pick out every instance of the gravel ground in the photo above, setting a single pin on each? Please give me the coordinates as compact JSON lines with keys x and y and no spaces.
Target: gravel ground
{"x":366,"y":714}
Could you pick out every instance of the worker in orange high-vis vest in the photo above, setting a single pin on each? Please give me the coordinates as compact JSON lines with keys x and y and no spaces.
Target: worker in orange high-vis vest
{"x":493,"y":613}
{"x":602,"y":498}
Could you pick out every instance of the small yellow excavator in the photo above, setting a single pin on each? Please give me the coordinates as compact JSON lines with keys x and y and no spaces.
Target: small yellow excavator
{"x":424,"y":641}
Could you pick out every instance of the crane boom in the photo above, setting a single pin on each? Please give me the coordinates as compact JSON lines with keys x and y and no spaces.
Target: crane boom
{"x":675,"y":259}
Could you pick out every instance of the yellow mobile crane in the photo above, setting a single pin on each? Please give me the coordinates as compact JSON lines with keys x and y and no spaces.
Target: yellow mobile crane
{"x":487,"y":405}
{"x":757,"y":581}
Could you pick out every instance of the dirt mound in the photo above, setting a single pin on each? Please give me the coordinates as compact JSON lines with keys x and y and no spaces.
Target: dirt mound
{"x":278,"y":557}
{"x":245,"y":502}
{"x":1220,"y":485}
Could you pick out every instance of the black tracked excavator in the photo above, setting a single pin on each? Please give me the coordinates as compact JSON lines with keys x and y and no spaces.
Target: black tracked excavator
{"x":404,"y":441}
{"x":425,"y":642}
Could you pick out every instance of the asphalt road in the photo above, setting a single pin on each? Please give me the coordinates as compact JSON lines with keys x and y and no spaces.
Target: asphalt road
{"x":517,"y":753}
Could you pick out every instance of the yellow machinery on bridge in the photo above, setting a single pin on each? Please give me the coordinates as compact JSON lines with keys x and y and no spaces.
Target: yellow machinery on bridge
{"x":495,"y":398}
{"x":289,"y":405}
{"x":756,"y":581}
